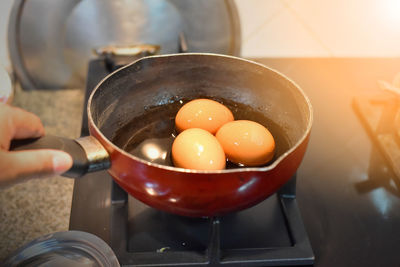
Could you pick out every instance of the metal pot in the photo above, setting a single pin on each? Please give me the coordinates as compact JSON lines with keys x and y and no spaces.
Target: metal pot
{"x":125,"y":95}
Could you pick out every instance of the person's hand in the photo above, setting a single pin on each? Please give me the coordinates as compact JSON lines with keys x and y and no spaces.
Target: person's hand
{"x":15,"y":167}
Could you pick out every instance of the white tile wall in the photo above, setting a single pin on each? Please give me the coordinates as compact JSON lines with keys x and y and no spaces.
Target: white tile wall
{"x":302,"y":28}
{"x":330,"y":28}
{"x":352,"y":27}
{"x":280,"y":35}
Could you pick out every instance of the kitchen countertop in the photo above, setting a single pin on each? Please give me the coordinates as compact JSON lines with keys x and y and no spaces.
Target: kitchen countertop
{"x":41,"y":206}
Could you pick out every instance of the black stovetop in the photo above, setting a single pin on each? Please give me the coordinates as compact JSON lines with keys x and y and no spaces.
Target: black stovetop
{"x":268,"y":234}
{"x":349,"y":200}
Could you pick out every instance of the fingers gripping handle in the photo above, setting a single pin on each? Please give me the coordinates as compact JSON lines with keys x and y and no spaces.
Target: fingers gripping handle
{"x":80,"y":161}
{"x":87,"y":153}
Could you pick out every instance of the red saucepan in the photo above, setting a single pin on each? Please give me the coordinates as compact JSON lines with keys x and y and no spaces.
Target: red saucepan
{"x":131,"y":115}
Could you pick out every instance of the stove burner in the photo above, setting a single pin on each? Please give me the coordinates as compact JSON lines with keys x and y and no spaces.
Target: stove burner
{"x":268,"y":234}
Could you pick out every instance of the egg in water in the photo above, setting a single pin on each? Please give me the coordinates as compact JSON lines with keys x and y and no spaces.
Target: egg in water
{"x":198,"y":149}
{"x":246,"y":142}
{"x":205,"y":114}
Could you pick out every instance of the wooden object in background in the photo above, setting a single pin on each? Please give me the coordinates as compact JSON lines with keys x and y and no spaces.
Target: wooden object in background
{"x":381,"y":117}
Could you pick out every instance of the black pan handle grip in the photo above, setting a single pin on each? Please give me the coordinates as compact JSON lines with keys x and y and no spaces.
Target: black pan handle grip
{"x":81,"y":162}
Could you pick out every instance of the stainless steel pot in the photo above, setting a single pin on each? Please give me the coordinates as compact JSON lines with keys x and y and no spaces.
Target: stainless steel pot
{"x":51,"y":49}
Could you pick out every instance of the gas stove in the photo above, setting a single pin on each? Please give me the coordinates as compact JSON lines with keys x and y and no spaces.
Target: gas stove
{"x":269,"y":234}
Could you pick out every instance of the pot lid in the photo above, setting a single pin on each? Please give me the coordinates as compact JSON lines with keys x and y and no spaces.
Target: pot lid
{"x":51,"y":42}
{"x":69,"y":249}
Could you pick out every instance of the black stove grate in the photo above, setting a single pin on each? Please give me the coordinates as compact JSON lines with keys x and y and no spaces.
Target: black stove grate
{"x":268,"y":234}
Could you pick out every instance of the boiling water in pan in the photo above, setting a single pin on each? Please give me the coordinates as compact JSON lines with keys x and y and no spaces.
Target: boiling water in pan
{"x":151,"y":135}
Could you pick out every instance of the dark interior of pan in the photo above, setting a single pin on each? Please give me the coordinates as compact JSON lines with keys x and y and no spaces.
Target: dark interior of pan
{"x":158,"y":85}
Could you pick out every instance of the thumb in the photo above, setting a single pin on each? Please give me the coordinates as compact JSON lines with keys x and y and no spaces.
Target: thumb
{"x":32,"y":163}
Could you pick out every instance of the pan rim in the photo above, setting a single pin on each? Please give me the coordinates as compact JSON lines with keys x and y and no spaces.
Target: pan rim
{"x":270,"y":167}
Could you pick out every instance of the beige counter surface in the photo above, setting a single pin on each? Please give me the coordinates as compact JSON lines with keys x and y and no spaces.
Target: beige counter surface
{"x":41,"y":206}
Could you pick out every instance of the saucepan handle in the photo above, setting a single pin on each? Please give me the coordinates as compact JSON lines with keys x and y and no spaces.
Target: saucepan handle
{"x":87,"y":153}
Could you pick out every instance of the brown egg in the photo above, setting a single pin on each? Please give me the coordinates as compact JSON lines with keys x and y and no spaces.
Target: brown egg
{"x":205,"y":114}
{"x":198,"y":149}
{"x":246,"y":142}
